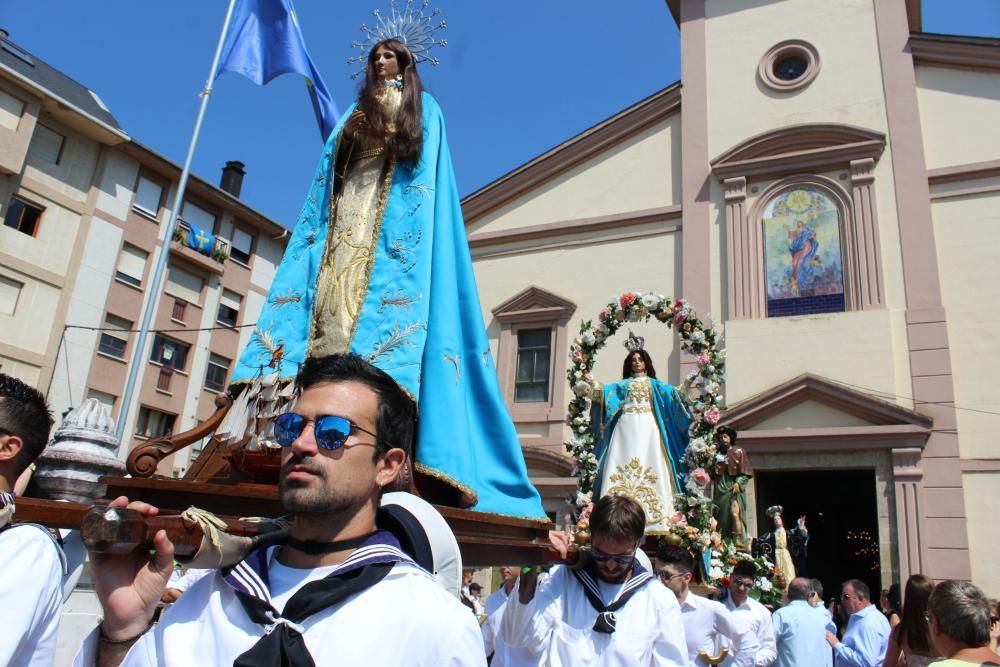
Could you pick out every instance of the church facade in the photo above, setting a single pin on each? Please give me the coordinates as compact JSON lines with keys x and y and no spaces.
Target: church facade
{"x":827,"y":190}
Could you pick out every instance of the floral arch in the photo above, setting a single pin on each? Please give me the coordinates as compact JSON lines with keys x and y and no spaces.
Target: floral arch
{"x":701,"y":391}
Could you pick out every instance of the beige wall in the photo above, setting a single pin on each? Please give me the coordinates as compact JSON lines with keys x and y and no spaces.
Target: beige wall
{"x":982,"y":507}
{"x":641,"y":173}
{"x":954,"y":98}
{"x":739,"y":32}
{"x":968,"y":245}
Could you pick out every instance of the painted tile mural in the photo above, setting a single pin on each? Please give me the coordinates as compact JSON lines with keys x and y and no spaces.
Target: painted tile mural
{"x":803,"y":254}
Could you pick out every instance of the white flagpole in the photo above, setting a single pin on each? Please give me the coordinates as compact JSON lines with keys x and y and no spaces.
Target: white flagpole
{"x":154,"y":285}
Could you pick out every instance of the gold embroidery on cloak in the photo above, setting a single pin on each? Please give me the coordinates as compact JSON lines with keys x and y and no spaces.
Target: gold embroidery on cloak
{"x":355,"y":221}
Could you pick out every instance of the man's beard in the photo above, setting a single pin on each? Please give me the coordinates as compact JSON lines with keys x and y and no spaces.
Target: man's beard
{"x":315,"y":498}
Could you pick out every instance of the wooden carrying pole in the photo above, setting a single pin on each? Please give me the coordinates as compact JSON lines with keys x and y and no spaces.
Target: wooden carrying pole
{"x":483,"y":540}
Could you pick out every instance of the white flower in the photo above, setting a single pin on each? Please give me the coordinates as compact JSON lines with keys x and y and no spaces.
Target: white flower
{"x":578,"y":374}
{"x":583,"y":499}
{"x":697,"y":336}
{"x":581,"y":388}
{"x":588,"y":338}
{"x":715,"y":573}
{"x":582,"y":429}
{"x":650,"y":300}
{"x":603,"y":329}
{"x":711,"y":387}
{"x":764,"y":584}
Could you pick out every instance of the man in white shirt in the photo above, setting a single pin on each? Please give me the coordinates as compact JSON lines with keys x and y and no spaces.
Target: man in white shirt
{"x":347,"y":594}
{"x":31,"y":564}
{"x":751,"y":613}
{"x":867,"y":635}
{"x":503,"y":655}
{"x":609,"y":612}
{"x":709,"y":627}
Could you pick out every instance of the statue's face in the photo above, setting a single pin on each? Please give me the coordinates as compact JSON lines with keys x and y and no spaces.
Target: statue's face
{"x":725,"y":439}
{"x":385,"y":63}
{"x":778,"y":521}
{"x":638,"y":364}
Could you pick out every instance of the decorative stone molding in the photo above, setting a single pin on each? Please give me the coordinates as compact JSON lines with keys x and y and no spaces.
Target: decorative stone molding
{"x":794,"y":154}
{"x":781,"y":52}
{"x":535,"y":308}
{"x":910,"y":510}
{"x":954,"y":52}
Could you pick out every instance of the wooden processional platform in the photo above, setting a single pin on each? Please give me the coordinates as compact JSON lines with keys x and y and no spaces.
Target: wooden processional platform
{"x":232,"y":483}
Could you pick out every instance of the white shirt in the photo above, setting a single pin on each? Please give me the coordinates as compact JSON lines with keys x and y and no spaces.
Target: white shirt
{"x":407,"y":618}
{"x":503,"y":655}
{"x":757,"y":618}
{"x":709,"y":626}
{"x":31,"y":572}
{"x":557,"y":627}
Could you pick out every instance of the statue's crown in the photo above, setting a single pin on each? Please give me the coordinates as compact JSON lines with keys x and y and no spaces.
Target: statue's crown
{"x":634,"y":343}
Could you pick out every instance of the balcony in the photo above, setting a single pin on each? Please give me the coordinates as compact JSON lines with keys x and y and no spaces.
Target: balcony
{"x":215,"y":262}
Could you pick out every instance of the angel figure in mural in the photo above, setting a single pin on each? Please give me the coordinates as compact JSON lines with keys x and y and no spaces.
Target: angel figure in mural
{"x":733,"y":474}
{"x":378,"y":265}
{"x":641,"y":431}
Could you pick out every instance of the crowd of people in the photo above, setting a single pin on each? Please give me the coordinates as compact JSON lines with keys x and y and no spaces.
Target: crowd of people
{"x":326,"y":592}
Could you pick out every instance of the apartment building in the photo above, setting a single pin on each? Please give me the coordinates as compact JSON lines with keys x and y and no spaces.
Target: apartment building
{"x":84,"y":208}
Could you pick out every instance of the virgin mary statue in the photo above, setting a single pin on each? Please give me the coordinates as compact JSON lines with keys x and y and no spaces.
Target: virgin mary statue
{"x":378,"y":265}
{"x":641,"y":436}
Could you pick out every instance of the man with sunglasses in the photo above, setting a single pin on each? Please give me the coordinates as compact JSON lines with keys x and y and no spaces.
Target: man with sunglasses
{"x":336,"y":591}
{"x":867,"y":635}
{"x":753,"y":614}
{"x":607,"y":610}
{"x":709,"y":627}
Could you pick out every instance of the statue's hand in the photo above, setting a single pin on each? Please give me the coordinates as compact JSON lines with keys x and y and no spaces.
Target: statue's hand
{"x":736,"y":487}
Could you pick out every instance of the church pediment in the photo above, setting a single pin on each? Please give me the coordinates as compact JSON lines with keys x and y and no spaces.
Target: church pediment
{"x":810,"y":412}
{"x":807,"y":147}
{"x":534,"y":301}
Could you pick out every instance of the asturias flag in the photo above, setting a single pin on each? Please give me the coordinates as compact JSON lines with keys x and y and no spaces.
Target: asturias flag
{"x":264,"y":42}
{"x":200,"y":240}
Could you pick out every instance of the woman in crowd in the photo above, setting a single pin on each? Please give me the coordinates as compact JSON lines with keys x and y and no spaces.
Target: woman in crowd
{"x":910,"y":643}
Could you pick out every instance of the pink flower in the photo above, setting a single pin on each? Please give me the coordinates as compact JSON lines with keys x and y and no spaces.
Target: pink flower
{"x":703,"y":359}
{"x":700,"y":477}
{"x":679,"y":316}
{"x":577,"y":356}
{"x":603,"y":315}
{"x":678,"y":517}
{"x":713,"y":415}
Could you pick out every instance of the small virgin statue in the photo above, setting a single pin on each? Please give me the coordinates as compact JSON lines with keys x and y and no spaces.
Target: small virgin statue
{"x":641,"y":429}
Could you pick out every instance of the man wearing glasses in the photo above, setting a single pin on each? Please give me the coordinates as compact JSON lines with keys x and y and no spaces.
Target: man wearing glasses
{"x":608,"y":612}
{"x":332,"y":591}
{"x":751,"y":613}
{"x":709,"y":628}
{"x":867,"y":635}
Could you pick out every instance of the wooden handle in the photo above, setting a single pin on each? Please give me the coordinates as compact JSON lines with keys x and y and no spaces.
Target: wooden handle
{"x":119,"y":530}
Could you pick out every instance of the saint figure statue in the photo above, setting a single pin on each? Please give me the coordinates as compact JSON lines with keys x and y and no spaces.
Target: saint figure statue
{"x":378,"y":265}
{"x":730,"y":494}
{"x":781,"y":544}
{"x":641,"y":430}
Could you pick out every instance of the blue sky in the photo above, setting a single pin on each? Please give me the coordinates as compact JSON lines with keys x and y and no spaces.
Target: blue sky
{"x":517,"y":76}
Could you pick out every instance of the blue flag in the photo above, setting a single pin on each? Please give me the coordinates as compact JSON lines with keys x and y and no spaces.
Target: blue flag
{"x":200,"y":240}
{"x":264,"y":42}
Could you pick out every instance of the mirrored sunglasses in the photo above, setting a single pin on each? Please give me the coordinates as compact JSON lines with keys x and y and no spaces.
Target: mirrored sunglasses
{"x":330,"y":431}
{"x":621,"y":559}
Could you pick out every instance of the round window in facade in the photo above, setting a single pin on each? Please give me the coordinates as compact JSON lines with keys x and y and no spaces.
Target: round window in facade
{"x":789,"y":65}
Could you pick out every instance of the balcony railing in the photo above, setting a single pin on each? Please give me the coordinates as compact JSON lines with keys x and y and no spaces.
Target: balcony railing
{"x":220,"y":251}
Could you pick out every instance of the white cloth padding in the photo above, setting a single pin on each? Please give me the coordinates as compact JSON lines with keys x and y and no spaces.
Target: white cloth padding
{"x":444,"y":546}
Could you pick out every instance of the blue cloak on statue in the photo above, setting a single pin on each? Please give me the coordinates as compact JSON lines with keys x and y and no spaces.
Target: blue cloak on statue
{"x":672,"y":421}
{"x":420,"y":321}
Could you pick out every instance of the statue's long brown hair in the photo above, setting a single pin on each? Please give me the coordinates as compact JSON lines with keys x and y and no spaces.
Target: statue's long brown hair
{"x":408,"y":140}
